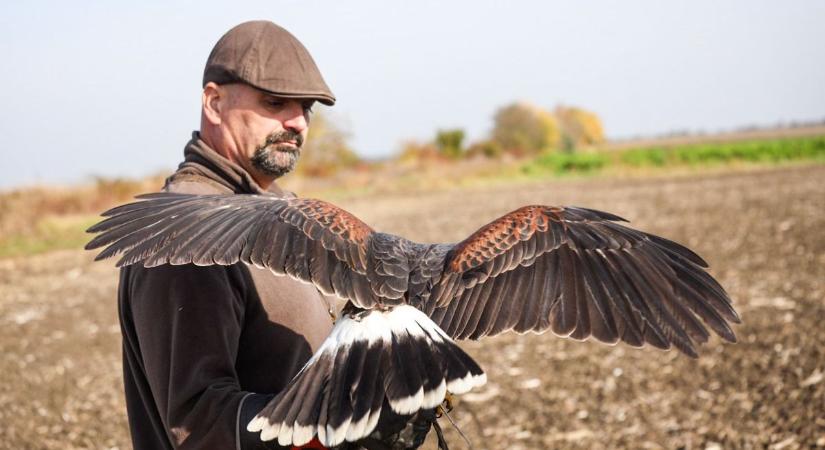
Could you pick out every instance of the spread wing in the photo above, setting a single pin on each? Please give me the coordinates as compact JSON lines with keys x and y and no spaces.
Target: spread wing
{"x":578,"y":273}
{"x":574,"y":271}
{"x":308,"y":239}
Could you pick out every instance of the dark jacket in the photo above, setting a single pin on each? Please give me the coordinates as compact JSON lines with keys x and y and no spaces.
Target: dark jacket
{"x":204,"y":348}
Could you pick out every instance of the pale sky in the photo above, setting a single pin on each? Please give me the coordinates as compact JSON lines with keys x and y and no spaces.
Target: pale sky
{"x":112,"y":88}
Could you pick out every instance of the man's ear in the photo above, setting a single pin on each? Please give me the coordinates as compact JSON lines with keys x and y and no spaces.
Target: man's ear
{"x":213,"y":100}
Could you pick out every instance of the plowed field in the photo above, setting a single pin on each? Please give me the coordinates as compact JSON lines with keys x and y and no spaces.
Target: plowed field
{"x":762,"y":232}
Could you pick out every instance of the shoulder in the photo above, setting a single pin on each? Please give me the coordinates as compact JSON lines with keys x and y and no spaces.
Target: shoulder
{"x":180,"y":271}
{"x":187,"y":280}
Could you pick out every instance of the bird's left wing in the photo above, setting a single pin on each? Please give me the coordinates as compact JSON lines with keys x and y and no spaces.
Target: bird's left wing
{"x":579,"y":273}
{"x":311,"y":240}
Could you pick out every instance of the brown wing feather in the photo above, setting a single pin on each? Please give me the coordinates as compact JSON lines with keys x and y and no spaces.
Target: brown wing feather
{"x":580,"y":274}
{"x":308,"y":239}
{"x":498,"y":237}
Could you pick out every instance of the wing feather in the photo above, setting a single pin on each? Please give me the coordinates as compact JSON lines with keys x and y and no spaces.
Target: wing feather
{"x":574,"y":271}
{"x":565,"y":316}
{"x":625,"y":321}
{"x":603,"y":324}
{"x":580,"y":274}
{"x":311,"y":240}
{"x":275,"y":257}
{"x":583,"y":327}
{"x":477,"y":300}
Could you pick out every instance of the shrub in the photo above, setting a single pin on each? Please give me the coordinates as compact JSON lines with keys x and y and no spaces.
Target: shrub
{"x":449,"y":143}
{"x":413,"y":151}
{"x":488,"y":149}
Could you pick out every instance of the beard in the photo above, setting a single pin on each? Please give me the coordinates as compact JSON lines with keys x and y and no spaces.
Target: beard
{"x":275,"y":157}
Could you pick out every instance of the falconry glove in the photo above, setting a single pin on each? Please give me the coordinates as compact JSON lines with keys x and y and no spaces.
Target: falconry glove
{"x":400,"y":434}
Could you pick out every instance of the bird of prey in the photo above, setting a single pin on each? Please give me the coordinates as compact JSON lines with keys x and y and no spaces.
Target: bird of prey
{"x":574,"y":271}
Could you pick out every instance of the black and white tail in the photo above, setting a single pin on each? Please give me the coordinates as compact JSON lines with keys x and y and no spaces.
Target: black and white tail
{"x":399,"y":355}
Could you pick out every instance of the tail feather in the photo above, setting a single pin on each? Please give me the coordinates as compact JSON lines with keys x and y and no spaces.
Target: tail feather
{"x":372,"y":359}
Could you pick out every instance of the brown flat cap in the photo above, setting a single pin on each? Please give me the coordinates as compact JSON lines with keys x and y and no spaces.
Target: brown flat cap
{"x":266,"y":56}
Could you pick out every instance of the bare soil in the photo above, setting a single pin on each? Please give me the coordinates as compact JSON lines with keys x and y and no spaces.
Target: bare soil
{"x":762,"y":232}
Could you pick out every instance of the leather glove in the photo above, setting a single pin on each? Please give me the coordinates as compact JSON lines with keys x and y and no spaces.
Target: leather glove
{"x":397,"y":432}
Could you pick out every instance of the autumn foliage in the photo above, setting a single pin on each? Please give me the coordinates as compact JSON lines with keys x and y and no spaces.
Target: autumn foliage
{"x":580,"y":128}
{"x":520,"y":129}
{"x":523,"y":129}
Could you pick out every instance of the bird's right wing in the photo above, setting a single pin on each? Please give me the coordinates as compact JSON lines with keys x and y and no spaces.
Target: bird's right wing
{"x":311,"y":240}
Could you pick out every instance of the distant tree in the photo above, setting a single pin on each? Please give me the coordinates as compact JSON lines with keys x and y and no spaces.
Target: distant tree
{"x":524,"y":129}
{"x":326,"y":149}
{"x":449,"y":142}
{"x":549,"y":130}
{"x":579,"y":127}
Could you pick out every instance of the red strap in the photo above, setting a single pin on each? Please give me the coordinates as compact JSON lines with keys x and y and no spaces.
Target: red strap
{"x":314,"y":444}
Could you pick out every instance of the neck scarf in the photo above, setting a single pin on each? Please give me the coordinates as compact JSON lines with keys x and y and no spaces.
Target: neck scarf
{"x":202,"y":162}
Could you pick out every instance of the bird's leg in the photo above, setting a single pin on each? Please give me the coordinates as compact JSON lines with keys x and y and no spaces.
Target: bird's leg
{"x":443,"y":410}
{"x":445,"y":407}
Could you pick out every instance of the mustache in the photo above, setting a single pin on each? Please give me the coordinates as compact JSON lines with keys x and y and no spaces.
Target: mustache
{"x":280,"y":137}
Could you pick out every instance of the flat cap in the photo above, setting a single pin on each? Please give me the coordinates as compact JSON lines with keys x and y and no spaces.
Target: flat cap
{"x":266,"y":56}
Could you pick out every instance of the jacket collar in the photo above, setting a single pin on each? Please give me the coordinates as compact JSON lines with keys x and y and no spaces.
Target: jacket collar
{"x":202,"y":163}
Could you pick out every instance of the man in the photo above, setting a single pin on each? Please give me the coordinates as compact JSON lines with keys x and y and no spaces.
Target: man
{"x":205,"y":348}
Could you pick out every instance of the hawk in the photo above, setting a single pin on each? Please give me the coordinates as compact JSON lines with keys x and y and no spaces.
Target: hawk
{"x":574,"y":271}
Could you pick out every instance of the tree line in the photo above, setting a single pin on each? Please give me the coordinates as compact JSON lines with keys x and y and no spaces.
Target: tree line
{"x":519,"y":129}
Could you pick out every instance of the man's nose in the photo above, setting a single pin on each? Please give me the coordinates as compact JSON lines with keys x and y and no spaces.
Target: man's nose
{"x":296,"y":118}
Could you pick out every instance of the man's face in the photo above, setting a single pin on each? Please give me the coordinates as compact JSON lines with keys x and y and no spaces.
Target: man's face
{"x":266,"y":131}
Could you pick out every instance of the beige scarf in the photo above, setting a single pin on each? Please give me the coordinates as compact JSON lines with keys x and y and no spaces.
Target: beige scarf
{"x":202,"y":163}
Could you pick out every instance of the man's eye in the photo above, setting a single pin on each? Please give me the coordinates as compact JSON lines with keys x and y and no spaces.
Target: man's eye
{"x":308,"y":109}
{"x":275,"y":103}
